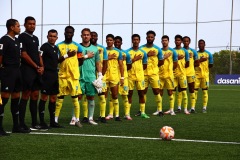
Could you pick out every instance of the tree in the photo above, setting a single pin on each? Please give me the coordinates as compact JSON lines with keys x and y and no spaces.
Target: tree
{"x":221,"y":64}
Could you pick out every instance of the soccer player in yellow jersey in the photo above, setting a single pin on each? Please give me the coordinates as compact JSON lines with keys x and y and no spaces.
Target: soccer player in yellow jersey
{"x":136,"y":73}
{"x":202,"y":72}
{"x":123,"y":89}
{"x":151,"y":75}
{"x":180,"y":78}
{"x":114,"y":74}
{"x":190,"y":72}
{"x":69,"y":73}
{"x":166,"y":71}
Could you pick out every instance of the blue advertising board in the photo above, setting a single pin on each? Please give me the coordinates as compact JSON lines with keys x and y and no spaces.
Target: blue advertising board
{"x":227,"y":79}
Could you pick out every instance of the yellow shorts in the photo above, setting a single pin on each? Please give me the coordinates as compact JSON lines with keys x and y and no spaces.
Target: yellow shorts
{"x":201,"y":83}
{"x":191,"y":79}
{"x":69,"y":87}
{"x":140,"y":85}
{"x":123,"y":90}
{"x":104,"y":88}
{"x":167,"y":83}
{"x":110,"y":84}
{"x":153,"y":80}
{"x":180,"y":81}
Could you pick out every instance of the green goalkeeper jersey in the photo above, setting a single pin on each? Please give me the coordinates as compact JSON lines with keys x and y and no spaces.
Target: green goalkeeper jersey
{"x":88,"y":69}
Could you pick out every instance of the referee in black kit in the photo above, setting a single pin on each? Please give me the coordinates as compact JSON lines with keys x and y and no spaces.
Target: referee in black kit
{"x":32,"y":69}
{"x":11,"y":79}
{"x":50,"y":86}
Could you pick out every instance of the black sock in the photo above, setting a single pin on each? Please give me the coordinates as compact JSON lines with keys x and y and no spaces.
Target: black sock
{"x":33,"y":110}
{"x":22,"y":111}
{"x":41,"y":109}
{"x":51,"y":109}
{"x":15,"y":111}
{"x":4,"y":102}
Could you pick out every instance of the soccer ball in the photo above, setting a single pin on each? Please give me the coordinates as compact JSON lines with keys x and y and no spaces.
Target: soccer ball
{"x":167,"y":133}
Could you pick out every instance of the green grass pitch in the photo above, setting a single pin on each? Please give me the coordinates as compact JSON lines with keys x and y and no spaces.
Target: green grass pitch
{"x":219,"y":124}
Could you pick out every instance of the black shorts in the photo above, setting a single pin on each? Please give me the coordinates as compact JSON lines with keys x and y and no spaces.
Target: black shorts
{"x":11,"y":79}
{"x":31,"y":79}
{"x":50,"y":85}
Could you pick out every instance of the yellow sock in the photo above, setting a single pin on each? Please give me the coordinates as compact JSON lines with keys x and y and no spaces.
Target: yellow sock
{"x":102,"y":104}
{"x":76,"y":107}
{"x":185,"y":99}
{"x":125,"y":104}
{"x":116,"y":107}
{"x":171,"y":102}
{"x":142,"y":107}
{"x":111,"y":108}
{"x":59,"y":103}
{"x":85,"y":106}
{"x":193,"y":102}
{"x":174,"y":96}
{"x":196,"y":95}
{"x":179,"y":99}
{"x":158,"y":99}
{"x":128,"y":110}
{"x":205,"y":98}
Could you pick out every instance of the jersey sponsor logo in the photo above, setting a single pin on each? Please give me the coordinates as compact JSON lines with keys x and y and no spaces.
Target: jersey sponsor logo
{"x":1,"y":46}
{"x":227,"y":79}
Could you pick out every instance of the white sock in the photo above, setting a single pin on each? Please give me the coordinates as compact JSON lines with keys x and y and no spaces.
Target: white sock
{"x":56,"y":119}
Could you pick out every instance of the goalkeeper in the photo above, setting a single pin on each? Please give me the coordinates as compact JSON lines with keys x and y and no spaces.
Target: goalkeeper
{"x":89,"y":84}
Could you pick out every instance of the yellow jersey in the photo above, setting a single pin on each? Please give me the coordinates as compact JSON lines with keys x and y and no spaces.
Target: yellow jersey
{"x":112,"y":73}
{"x":166,"y":70}
{"x":192,"y":57}
{"x":152,"y":64}
{"x":203,"y":70}
{"x":136,"y":73}
{"x":181,"y":70}
{"x":69,"y":68}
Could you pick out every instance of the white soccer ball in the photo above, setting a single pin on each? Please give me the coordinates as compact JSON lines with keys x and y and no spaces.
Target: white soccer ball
{"x":167,"y":133}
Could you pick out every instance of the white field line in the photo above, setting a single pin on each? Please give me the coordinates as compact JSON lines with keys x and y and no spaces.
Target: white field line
{"x":224,"y":89}
{"x":126,"y":137}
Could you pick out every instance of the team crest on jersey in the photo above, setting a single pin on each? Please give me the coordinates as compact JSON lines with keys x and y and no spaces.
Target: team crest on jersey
{"x":33,"y":41}
{"x":190,"y":54}
{"x":1,"y":46}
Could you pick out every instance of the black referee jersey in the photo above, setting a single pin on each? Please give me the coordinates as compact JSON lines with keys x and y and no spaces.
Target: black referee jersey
{"x":50,"y":56}
{"x":10,"y":50}
{"x":30,"y":45}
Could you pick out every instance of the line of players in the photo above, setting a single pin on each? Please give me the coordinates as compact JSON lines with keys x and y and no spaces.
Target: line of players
{"x":117,"y":70}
